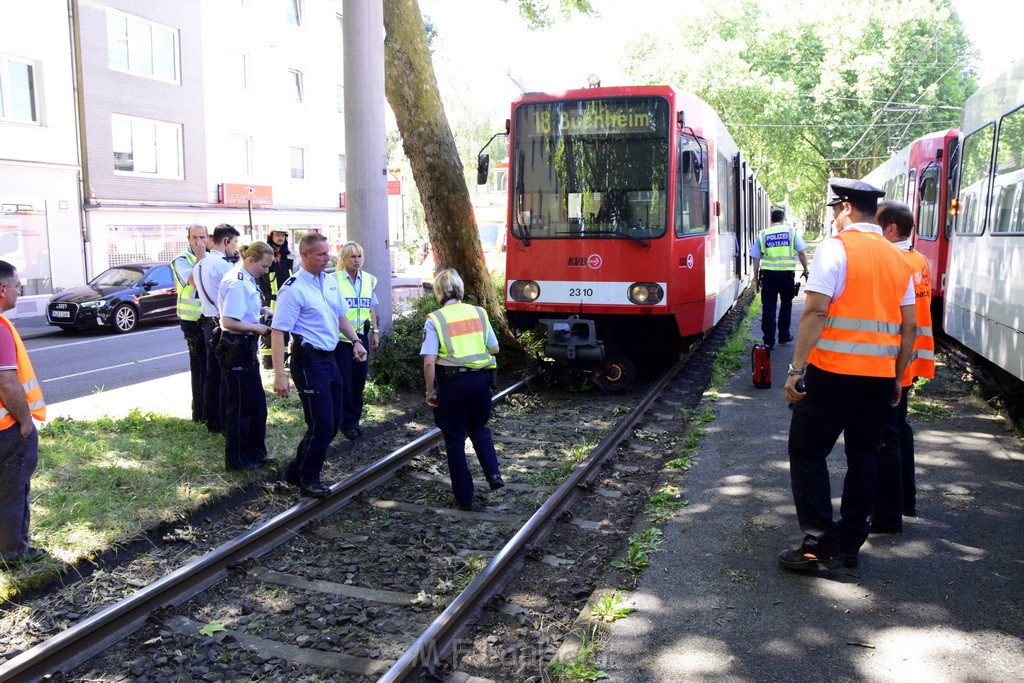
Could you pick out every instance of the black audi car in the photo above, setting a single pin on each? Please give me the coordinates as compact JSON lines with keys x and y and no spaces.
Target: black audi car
{"x":119,"y":298}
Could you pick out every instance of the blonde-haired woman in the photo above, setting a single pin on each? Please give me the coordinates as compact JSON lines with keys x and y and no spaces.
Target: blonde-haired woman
{"x":358,"y":288}
{"x":458,"y":347}
{"x":240,"y":306}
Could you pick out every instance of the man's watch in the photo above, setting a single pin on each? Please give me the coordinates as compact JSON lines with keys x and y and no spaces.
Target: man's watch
{"x":796,"y":371}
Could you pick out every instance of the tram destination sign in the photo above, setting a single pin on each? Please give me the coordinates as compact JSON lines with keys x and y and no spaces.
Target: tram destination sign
{"x":595,"y":117}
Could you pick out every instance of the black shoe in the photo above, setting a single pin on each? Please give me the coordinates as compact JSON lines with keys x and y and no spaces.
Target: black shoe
{"x":804,"y":559}
{"x":850,"y":560}
{"x":350,"y":434}
{"x":496,"y":482}
{"x":359,"y":431}
{"x":465,"y":508}
{"x":910,"y":512}
{"x":30,"y":555}
{"x":314,"y":490}
{"x":269,"y":461}
{"x":783,"y":342}
{"x":881,"y":528}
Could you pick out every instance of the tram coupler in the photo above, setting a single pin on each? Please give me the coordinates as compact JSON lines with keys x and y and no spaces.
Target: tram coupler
{"x":572,"y":340}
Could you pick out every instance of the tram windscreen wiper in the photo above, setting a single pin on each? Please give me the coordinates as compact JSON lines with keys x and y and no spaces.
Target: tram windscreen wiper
{"x":618,"y":233}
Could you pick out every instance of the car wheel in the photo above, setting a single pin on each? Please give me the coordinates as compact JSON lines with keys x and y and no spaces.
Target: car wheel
{"x":125,"y":318}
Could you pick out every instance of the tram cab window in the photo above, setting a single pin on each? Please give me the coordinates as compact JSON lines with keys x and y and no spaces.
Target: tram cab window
{"x":692,"y":196}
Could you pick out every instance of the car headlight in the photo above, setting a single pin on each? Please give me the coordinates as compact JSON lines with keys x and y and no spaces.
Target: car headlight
{"x":646,"y":293}
{"x":524,"y":290}
{"x":92,"y":304}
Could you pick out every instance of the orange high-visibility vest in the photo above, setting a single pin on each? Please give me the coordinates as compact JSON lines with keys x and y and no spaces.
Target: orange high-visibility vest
{"x":27,"y":377}
{"x":862,"y":332}
{"x":922,"y":360}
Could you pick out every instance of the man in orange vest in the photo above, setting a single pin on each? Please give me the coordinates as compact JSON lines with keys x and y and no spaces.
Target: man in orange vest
{"x":896,"y":492}
{"x":21,"y":401}
{"x":853,"y":345}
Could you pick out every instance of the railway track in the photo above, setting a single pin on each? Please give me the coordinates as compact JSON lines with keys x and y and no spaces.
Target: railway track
{"x":384,"y":579}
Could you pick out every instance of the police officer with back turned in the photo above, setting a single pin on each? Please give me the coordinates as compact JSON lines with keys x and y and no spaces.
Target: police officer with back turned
{"x":853,"y":345}
{"x":775,"y":253}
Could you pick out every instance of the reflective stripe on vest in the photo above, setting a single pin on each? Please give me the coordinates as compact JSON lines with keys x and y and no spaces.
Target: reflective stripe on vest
{"x":27,"y":378}
{"x":189,"y":306}
{"x":862,"y":332}
{"x":778,"y":248}
{"x":358,"y":305}
{"x":922,"y":360}
{"x":462,"y":333}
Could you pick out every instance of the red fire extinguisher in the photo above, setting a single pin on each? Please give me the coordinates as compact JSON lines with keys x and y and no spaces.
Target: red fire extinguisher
{"x":761,"y":364}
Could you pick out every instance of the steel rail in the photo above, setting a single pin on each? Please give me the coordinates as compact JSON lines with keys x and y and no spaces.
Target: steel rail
{"x":423,"y":655}
{"x":98,"y":632}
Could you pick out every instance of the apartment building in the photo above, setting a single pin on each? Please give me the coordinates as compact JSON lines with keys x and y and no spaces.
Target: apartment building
{"x":40,"y":201}
{"x":124,"y":121}
{"x":208,"y":111}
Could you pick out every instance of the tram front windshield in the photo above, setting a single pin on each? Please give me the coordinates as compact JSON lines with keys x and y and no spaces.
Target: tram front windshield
{"x":591,"y":168}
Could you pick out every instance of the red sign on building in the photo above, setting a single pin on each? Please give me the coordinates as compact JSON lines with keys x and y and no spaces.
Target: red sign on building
{"x":242,"y":195}
{"x":394,"y":187}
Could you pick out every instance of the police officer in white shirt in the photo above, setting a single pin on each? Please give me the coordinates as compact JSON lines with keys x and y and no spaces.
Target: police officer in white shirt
{"x":210,"y":271}
{"x":310,"y":307}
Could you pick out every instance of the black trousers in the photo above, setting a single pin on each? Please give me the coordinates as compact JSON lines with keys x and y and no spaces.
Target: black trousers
{"x":193,"y":331}
{"x":896,"y":491}
{"x":214,"y":390}
{"x":856,"y":407}
{"x":776,"y":290}
{"x":245,"y":412}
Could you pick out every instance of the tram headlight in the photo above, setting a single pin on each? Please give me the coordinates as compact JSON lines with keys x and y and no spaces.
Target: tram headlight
{"x":646,"y":293}
{"x":524,"y":290}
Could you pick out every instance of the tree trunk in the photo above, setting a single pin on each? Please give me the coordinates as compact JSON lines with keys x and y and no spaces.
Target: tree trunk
{"x":411,"y":89}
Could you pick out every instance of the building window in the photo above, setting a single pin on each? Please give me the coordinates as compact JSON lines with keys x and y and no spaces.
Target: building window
{"x":239,"y":161}
{"x":298,"y":156}
{"x":18,"y":90}
{"x":341,"y":168}
{"x":295,"y":85}
{"x":294,"y":9}
{"x":341,"y":99}
{"x":141,"y":47}
{"x":147,"y":147}
{"x":341,"y":29}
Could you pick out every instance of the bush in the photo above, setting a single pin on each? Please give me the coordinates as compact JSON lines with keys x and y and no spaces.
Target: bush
{"x":396,"y":363}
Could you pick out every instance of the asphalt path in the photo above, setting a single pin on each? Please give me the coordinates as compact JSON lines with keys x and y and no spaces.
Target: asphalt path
{"x":74,"y":364}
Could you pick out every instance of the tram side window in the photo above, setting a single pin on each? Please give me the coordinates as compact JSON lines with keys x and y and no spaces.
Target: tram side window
{"x":1010,"y":174}
{"x":928,"y":203}
{"x":974,"y":180}
{"x":900,"y":188}
{"x":691,"y":188}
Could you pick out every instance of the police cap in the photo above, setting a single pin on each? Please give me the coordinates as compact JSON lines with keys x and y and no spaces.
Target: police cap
{"x":856,"y":191}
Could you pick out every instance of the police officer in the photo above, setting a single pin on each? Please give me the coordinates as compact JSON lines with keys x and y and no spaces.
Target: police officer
{"x":190,"y":310}
{"x":358,"y":289}
{"x":458,"y":343}
{"x":775,"y":253}
{"x":21,"y":403}
{"x":210,"y":271}
{"x":311,"y":308}
{"x":241,"y":309}
{"x":853,"y":345}
{"x":280,"y":270}
{"x":896,"y":492}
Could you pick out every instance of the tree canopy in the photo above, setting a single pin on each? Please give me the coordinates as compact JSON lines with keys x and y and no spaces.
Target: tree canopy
{"x":811,"y":90}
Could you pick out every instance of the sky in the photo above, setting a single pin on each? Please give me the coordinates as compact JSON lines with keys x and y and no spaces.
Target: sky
{"x":487,"y":40}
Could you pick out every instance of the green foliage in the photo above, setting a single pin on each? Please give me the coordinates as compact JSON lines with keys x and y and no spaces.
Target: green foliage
{"x":815,"y":89}
{"x":396,"y":365}
{"x":609,"y":608}
{"x":663,"y":505}
{"x":581,"y":667}
{"x":641,"y":545}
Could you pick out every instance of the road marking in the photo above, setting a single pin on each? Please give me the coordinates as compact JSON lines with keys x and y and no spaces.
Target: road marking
{"x":114,"y":367}
{"x":89,"y":341}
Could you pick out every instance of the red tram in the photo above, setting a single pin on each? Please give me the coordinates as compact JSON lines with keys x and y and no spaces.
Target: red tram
{"x":923,"y":174}
{"x":630,"y":218}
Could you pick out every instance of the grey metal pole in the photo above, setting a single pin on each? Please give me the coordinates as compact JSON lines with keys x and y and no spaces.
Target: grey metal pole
{"x":365,"y":150}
